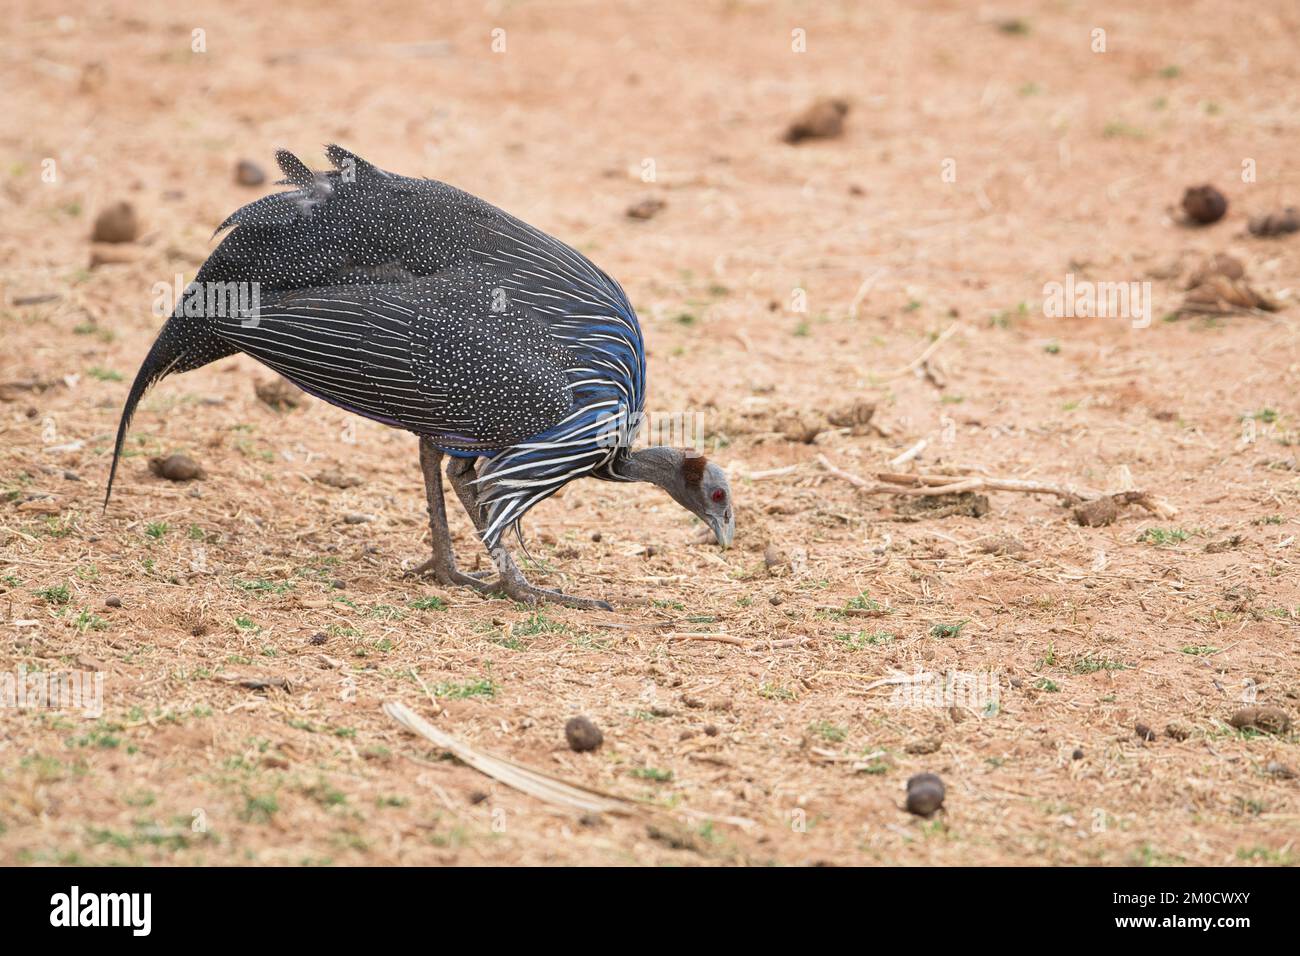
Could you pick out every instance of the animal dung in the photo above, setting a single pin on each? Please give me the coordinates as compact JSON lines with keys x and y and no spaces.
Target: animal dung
{"x":823,"y":120}
{"x":1270,"y":720}
{"x":116,"y":223}
{"x":801,"y":427}
{"x":854,"y":415}
{"x":1219,"y":287}
{"x":1144,"y":732}
{"x":924,"y":745}
{"x":1275,"y":223}
{"x":1004,"y":544}
{"x":1204,"y":204}
{"x":925,"y":793}
{"x":337,"y":479}
{"x":582,"y":735}
{"x":646,"y":209}
{"x":248,"y":173}
{"x":1217,"y":265}
{"x":1221,"y":295}
{"x":1097,"y":513}
{"x":774,"y":559}
{"x":176,"y":468}
{"x":278,"y":393}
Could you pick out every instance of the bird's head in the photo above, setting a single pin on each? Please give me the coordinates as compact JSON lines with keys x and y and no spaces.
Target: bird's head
{"x":707,"y":495}
{"x":694,"y":482}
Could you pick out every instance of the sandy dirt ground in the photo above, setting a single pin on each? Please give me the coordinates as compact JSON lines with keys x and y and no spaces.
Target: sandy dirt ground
{"x":988,"y":150}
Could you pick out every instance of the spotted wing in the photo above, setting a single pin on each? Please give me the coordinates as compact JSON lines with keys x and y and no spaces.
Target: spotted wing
{"x":444,"y":357}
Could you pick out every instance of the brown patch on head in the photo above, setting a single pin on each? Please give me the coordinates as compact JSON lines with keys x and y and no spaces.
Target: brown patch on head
{"x":693,"y":468}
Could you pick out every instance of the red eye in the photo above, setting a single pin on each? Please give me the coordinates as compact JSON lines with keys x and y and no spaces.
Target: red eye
{"x":719,"y":495}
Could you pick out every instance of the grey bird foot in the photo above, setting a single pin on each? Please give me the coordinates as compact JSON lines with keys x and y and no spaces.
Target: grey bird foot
{"x":451,"y":577}
{"x":518,"y":589}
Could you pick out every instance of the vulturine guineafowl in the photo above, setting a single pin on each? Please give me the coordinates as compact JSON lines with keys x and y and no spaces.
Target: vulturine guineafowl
{"x":415,"y":304}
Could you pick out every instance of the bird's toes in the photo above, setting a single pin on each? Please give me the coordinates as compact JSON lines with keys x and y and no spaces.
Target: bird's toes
{"x":478,"y":582}
{"x":531,"y":595}
{"x":420,"y":571}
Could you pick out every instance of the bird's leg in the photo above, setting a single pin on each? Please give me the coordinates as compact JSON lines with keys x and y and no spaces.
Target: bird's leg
{"x":442,"y":564}
{"x":460,"y":472}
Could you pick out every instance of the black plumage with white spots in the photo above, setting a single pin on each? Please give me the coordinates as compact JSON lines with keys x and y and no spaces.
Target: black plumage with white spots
{"x":418,"y":305}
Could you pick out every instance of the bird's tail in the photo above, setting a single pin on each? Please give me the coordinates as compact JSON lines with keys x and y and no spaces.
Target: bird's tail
{"x":182,"y":345}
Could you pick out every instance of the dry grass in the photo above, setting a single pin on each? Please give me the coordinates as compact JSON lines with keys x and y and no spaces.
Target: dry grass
{"x":1066,"y":161}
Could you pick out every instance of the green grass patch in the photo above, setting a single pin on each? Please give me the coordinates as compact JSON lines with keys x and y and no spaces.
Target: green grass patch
{"x":1162,"y":537}
{"x":427,"y":604}
{"x":1089,"y":664}
{"x":651,"y":773}
{"x":947,"y":630}
{"x":55,"y":594}
{"x":484,"y":687}
{"x":863,"y":639}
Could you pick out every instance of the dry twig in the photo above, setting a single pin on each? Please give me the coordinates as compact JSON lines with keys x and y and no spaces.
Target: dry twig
{"x":533,"y":782}
{"x":924,"y":356}
{"x":892,"y":483}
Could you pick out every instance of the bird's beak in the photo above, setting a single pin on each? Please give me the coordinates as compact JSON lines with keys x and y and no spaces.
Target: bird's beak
{"x":723,"y":530}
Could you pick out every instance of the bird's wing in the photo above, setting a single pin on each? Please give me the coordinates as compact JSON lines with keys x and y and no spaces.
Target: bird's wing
{"x":440,"y":356}
{"x":354,"y":224}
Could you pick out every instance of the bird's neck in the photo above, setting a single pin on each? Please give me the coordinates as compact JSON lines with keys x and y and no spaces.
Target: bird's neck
{"x":660,"y":465}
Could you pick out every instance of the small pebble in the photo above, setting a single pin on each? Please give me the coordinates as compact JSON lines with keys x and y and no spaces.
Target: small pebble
{"x":582,"y":734}
{"x":595,"y":536}
{"x":71,"y":476}
{"x":338,"y":584}
{"x":925,"y":793}
{"x":112,"y":601}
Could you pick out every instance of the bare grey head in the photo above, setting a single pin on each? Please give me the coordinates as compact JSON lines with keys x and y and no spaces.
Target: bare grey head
{"x":692,"y":480}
